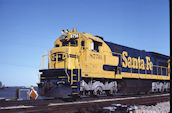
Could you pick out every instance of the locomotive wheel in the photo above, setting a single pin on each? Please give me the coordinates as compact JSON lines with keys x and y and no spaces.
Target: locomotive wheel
{"x":162,"y":90}
{"x":98,"y":91}
{"x":112,"y":91}
{"x":87,"y":93}
{"x":84,"y":92}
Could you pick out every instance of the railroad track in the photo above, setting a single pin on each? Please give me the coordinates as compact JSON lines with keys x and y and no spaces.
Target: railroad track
{"x":87,"y":105}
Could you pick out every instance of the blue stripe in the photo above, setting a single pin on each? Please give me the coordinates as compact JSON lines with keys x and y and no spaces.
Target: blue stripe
{"x":109,"y":67}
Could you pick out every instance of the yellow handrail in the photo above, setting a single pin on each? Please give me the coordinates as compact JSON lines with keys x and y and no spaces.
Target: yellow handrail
{"x":71,"y":76}
{"x":66,"y":69}
{"x":78,"y":69}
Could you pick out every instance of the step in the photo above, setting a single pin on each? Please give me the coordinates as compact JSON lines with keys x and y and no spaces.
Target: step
{"x":43,"y":77}
{"x":75,"y":81}
{"x":75,"y":93}
{"x":61,"y":82}
{"x":62,"y":77}
{"x":74,"y":86}
{"x":74,"y":75}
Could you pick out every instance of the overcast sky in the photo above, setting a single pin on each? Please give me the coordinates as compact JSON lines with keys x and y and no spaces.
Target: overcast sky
{"x":28,"y":28}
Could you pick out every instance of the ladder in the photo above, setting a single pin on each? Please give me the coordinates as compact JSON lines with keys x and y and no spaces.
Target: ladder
{"x":75,"y":81}
{"x":73,"y":77}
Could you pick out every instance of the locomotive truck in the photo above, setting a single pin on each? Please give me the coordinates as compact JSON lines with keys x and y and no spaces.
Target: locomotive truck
{"x":84,"y":64}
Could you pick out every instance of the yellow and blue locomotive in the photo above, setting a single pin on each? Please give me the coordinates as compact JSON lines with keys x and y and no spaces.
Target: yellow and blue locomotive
{"x":83,"y":64}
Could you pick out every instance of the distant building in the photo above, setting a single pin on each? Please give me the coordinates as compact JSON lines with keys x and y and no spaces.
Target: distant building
{"x":0,"y":84}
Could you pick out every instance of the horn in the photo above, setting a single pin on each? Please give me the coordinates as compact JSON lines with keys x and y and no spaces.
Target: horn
{"x":74,"y":30}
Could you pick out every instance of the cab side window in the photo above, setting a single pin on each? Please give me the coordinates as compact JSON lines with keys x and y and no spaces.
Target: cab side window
{"x":82,"y":43}
{"x":95,"y":46}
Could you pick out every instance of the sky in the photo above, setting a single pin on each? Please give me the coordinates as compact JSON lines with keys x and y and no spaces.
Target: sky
{"x":28,"y":29}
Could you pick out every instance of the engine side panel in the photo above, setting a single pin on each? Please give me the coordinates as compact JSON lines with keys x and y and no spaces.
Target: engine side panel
{"x":140,"y":64}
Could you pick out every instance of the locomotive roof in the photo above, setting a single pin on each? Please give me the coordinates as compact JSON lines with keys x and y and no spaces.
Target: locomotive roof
{"x":90,"y":36}
{"x":153,"y":53}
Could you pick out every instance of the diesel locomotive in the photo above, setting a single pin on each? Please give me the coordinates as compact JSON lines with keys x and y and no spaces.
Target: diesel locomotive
{"x":83,"y":64}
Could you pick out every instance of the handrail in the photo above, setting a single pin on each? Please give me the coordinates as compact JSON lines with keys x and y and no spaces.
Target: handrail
{"x":78,"y":69}
{"x":66,"y":69}
{"x":44,"y":60}
{"x":71,"y":80}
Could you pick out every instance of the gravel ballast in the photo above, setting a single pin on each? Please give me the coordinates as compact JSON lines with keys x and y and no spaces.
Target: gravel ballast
{"x":163,"y":107}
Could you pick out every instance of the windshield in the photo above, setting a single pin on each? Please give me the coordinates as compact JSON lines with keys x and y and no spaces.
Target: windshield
{"x":65,"y":43}
{"x":70,"y":43}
